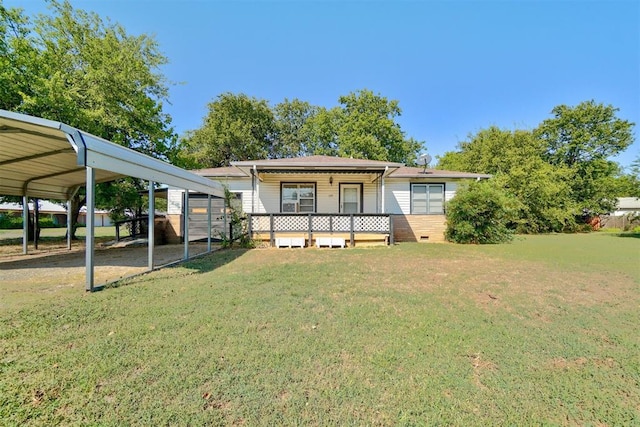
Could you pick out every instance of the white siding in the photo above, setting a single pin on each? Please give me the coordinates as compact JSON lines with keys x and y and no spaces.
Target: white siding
{"x":397,"y":197}
{"x":174,"y":201}
{"x":398,"y":194}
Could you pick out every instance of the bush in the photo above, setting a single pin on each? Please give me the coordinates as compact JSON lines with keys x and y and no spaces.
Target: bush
{"x":8,"y":222}
{"x":480,"y":213}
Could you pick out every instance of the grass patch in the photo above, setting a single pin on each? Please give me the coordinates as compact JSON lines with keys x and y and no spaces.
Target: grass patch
{"x":541,"y":331}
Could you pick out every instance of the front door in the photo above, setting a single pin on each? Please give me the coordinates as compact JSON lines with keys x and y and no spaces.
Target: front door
{"x":350,"y":198}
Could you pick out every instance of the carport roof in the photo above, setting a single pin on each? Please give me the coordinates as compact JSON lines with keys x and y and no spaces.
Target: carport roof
{"x":47,"y":159}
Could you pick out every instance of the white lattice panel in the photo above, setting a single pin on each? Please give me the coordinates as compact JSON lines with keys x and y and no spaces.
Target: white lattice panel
{"x":260,"y":223}
{"x":373,"y":223}
{"x":320,"y":223}
{"x":341,"y":223}
{"x":290,"y":223}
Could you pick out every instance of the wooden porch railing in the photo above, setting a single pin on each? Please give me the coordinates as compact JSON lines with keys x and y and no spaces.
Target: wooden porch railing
{"x":320,"y":223}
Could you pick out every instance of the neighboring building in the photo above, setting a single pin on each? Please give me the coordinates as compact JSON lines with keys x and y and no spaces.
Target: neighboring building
{"x":56,"y":212}
{"x":320,"y":196}
{"x":626,"y":206}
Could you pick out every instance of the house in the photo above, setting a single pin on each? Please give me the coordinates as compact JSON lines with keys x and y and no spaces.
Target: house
{"x":318,"y":198}
{"x":56,"y":212}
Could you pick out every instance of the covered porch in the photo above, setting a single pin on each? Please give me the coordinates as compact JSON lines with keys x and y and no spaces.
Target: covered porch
{"x":321,"y":229}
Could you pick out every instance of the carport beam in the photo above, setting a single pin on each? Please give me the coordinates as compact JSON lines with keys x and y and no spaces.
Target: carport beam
{"x":152,"y":223}
{"x":90,"y":239}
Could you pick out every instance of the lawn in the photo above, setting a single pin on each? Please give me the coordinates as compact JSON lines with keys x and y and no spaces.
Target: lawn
{"x":540,"y":331}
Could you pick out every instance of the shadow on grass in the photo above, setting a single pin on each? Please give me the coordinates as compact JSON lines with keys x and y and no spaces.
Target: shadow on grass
{"x":634,"y":235}
{"x":201,"y":263}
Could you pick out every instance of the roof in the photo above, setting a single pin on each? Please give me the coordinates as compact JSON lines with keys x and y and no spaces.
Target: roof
{"x":317,"y":162}
{"x":48,"y":159}
{"x":629,"y":203}
{"x":320,"y":164}
{"x":44,"y":206}
{"x":411,"y":172}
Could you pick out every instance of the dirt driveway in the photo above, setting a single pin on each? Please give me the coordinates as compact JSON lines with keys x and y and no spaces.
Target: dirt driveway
{"x":61,"y":268}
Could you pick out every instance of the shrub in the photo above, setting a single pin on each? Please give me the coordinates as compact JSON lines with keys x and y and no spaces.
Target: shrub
{"x":480,"y":213}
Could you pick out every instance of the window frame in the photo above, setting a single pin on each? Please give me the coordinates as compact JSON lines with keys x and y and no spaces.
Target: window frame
{"x":428,"y":210}
{"x":299,"y":183}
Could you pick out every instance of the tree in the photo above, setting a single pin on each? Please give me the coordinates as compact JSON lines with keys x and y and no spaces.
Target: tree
{"x":236,"y":127}
{"x":480,"y":213}
{"x":292,"y":137}
{"x":516,"y":161}
{"x":366,"y":128}
{"x":583,"y":138}
{"x":71,"y":66}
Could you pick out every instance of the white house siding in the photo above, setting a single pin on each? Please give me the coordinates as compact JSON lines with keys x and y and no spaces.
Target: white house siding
{"x":398,"y":194}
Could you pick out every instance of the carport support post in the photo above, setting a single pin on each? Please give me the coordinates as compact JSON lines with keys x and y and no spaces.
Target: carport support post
{"x":209,"y":222}
{"x":69,"y":223}
{"x":90,"y":239}
{"x":151,"y":223}
{"x":186,"y":224}
{"x":25,"y":224}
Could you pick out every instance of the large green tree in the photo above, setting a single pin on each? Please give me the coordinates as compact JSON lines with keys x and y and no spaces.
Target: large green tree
{"x":73,"y":67}
{"x":292,"y":130}
{"x":516,"y":160}
{"x":367,"y":128}
{"x":237,"y":127}
{"x":584,"y":138}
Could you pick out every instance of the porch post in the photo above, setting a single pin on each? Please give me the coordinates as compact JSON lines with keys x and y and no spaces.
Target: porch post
{"x":151,"y":224}
{"x":391,"y":241}
{"x":271,"y":234}
{"x":382,"y":191}
{"x":351,"y":237}
{"x":25,"y":224}
{"x":309,"y":228}
{"x":249,"y":226}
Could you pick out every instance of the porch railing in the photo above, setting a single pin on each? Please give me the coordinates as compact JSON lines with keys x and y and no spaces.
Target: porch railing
{"x":320,"y":223}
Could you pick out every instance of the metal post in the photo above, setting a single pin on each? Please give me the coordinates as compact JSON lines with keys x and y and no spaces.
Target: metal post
{"x":224,"y":219}
{"x":69,"y":224}
{"x":186,"y":224}
{"x":25,"y":224}
{"x":90,"y":239}
{"x":151,"y":224}
{"x":209,"y":222}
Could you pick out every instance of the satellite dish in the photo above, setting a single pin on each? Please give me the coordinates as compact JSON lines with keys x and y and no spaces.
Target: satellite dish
{"x":424,"y":160}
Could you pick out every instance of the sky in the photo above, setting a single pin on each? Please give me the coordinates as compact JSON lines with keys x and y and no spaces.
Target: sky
{"x":455,"y":67}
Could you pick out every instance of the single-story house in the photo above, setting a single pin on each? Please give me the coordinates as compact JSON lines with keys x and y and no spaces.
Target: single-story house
{"x":56,"y":212}
{"x":318,"y":198}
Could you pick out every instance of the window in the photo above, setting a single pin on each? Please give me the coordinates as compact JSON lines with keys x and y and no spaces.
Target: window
{"x":299,"y":198}
{"x":427,"y":198}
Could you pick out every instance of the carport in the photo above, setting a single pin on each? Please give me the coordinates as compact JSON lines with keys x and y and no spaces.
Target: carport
{"x":51,"y":160}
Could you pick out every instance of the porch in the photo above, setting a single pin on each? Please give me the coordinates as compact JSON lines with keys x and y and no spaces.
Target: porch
{"x":315,"y":228}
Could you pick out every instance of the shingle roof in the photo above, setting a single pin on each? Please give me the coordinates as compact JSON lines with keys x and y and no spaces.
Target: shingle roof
{"x":411,"y":172}
{"x":317,"y":162}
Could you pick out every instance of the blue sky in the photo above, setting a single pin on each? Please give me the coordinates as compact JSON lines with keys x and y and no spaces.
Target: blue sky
{"x":455,"y":67}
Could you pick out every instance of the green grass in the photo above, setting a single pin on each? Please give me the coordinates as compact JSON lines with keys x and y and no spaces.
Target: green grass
{"x":541,"y":331}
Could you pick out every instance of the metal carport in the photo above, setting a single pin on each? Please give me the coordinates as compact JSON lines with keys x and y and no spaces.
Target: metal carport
{"x":52,"y":160}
